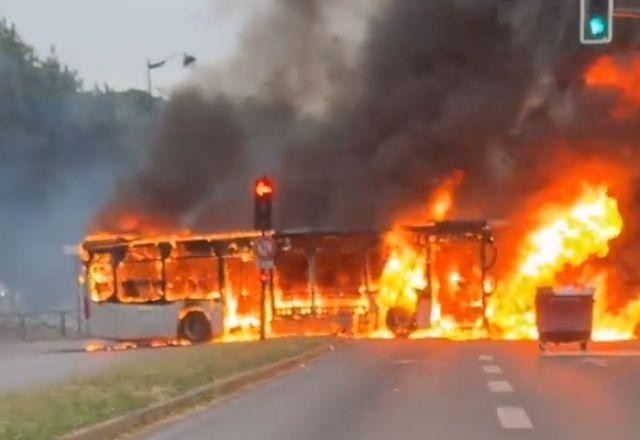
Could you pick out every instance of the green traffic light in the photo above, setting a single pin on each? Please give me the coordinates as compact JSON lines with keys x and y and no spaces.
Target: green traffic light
{"x":598,"y":26}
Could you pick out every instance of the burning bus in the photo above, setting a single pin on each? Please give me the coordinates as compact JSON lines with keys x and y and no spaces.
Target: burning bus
{"x":202,"y":287}
{"x":325,"y":282}
{"x":143,"y":288}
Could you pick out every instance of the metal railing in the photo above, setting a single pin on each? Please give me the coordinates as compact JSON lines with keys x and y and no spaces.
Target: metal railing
{"x":40,"y":325}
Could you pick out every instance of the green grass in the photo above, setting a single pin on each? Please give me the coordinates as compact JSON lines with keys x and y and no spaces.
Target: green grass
{"x":50,"y":411}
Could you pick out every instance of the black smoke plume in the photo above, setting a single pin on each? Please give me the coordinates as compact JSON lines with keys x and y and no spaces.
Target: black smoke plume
{"x":357,"y":120}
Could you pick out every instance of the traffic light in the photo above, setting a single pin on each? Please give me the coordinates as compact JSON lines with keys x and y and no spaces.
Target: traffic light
{"x":596,"y":21}
{"x":263,"y":190}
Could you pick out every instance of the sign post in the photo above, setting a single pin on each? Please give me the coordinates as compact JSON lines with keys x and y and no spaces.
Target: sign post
{"x":265,"y":249}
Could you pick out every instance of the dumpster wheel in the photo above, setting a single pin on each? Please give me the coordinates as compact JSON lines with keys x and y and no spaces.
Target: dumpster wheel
{"x":583,"y":345}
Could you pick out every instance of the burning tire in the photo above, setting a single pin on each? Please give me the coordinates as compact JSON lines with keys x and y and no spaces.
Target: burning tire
{"x":195,"y":327}
{"x":400,"y":321}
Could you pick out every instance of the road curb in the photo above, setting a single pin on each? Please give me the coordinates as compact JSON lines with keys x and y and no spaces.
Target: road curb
{"x":116,"y":426}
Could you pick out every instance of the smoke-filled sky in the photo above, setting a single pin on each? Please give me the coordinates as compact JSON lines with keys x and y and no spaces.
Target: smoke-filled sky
{"x":358,"y":118}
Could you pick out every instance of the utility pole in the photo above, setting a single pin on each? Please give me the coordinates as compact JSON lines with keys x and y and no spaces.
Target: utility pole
{"x":149,"y":87}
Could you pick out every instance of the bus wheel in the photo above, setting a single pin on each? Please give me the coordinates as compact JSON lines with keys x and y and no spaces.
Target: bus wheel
{"x":195,"y":326}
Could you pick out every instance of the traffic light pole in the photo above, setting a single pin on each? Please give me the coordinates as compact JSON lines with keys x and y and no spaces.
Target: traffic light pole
{"x":272,"y":302}
{"x":263,"y":304}
{"x":263,"y":197}
{"x":266,"y":285}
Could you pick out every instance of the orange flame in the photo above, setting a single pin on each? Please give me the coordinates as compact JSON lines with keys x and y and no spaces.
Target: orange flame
{"x":441,"y":201}
{"x":403,"y":280}
{"x":563,"y":247}
{"x":567,"y":236}
{"x":402,"y":277}
{"x":130,"y":345}
{"x":239,"y":327}
{"x":619,"y":75}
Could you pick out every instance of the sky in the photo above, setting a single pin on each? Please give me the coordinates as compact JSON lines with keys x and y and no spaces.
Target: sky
{"x":109,"y":41}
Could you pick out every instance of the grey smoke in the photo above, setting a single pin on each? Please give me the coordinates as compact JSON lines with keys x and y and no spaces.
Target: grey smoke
{"x":357,"y":126}
{"x":61,"y":150}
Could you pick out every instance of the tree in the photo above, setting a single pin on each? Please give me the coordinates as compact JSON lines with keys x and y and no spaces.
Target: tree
{"x":61,"y":150}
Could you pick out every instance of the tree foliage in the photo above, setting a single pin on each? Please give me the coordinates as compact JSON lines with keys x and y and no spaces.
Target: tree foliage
{"x":61,"y":147}
{"x":50,"y":126}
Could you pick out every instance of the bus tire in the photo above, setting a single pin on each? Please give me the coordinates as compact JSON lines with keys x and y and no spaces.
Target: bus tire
{"x":195,"y":327}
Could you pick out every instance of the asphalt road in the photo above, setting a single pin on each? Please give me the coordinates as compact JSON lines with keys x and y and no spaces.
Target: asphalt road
{"x":27,"y":365}
{"x":406,"y":389}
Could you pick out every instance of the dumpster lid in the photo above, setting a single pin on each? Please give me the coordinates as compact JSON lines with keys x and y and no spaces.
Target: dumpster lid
{"x":566,"y":290}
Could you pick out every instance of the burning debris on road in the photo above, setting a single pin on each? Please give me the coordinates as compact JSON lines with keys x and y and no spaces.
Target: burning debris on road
{"x":128,"y":345}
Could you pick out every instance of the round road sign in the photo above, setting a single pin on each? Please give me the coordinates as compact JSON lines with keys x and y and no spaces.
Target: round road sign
{"x":265,"y":248}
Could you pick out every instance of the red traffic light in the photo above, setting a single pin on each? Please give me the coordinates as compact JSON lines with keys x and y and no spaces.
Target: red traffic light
{"x":262,"y":208}
{"x":264,"y":187}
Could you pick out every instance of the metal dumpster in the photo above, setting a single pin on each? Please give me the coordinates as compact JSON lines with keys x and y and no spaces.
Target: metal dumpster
{"x":564,"y":315}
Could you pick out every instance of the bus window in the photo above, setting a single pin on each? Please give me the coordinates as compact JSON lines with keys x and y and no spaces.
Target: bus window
{"x":100,"y":277}
{"x":243,"y":283}
{"x":339,"y":273}
{"x":139,"y":275}
{"x":292,"y":280}
{"x":375,"y":265}
{"x":192,"y":278}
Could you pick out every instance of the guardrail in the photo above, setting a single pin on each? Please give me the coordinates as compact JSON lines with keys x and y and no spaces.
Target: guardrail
{"x":40,"y":325}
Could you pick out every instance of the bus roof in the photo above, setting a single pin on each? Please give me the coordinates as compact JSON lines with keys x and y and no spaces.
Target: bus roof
{"x":443,"y":229}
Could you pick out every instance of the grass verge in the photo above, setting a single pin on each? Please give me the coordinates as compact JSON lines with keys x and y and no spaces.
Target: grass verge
{"x":54,"y":410}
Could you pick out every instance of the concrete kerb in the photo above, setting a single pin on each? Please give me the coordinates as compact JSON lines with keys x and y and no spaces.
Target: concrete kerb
{"x":114,"y":427}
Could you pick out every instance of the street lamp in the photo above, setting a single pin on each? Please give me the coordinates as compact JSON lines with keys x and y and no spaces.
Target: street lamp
{"x":187,"y":60}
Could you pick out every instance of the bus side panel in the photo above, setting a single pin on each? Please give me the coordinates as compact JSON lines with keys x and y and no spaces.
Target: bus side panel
{"x":133,"y":321}
{"x":217,"y":321}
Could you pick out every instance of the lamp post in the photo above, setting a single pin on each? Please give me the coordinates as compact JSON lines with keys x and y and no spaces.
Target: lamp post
{"x":187,"y":60}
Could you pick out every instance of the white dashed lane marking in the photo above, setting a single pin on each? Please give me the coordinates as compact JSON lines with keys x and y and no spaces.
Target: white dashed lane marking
{"x":514,"y":417}
{"x":500,"y":386}
{"x":509,"y":417}
{"x":491,"y":369}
